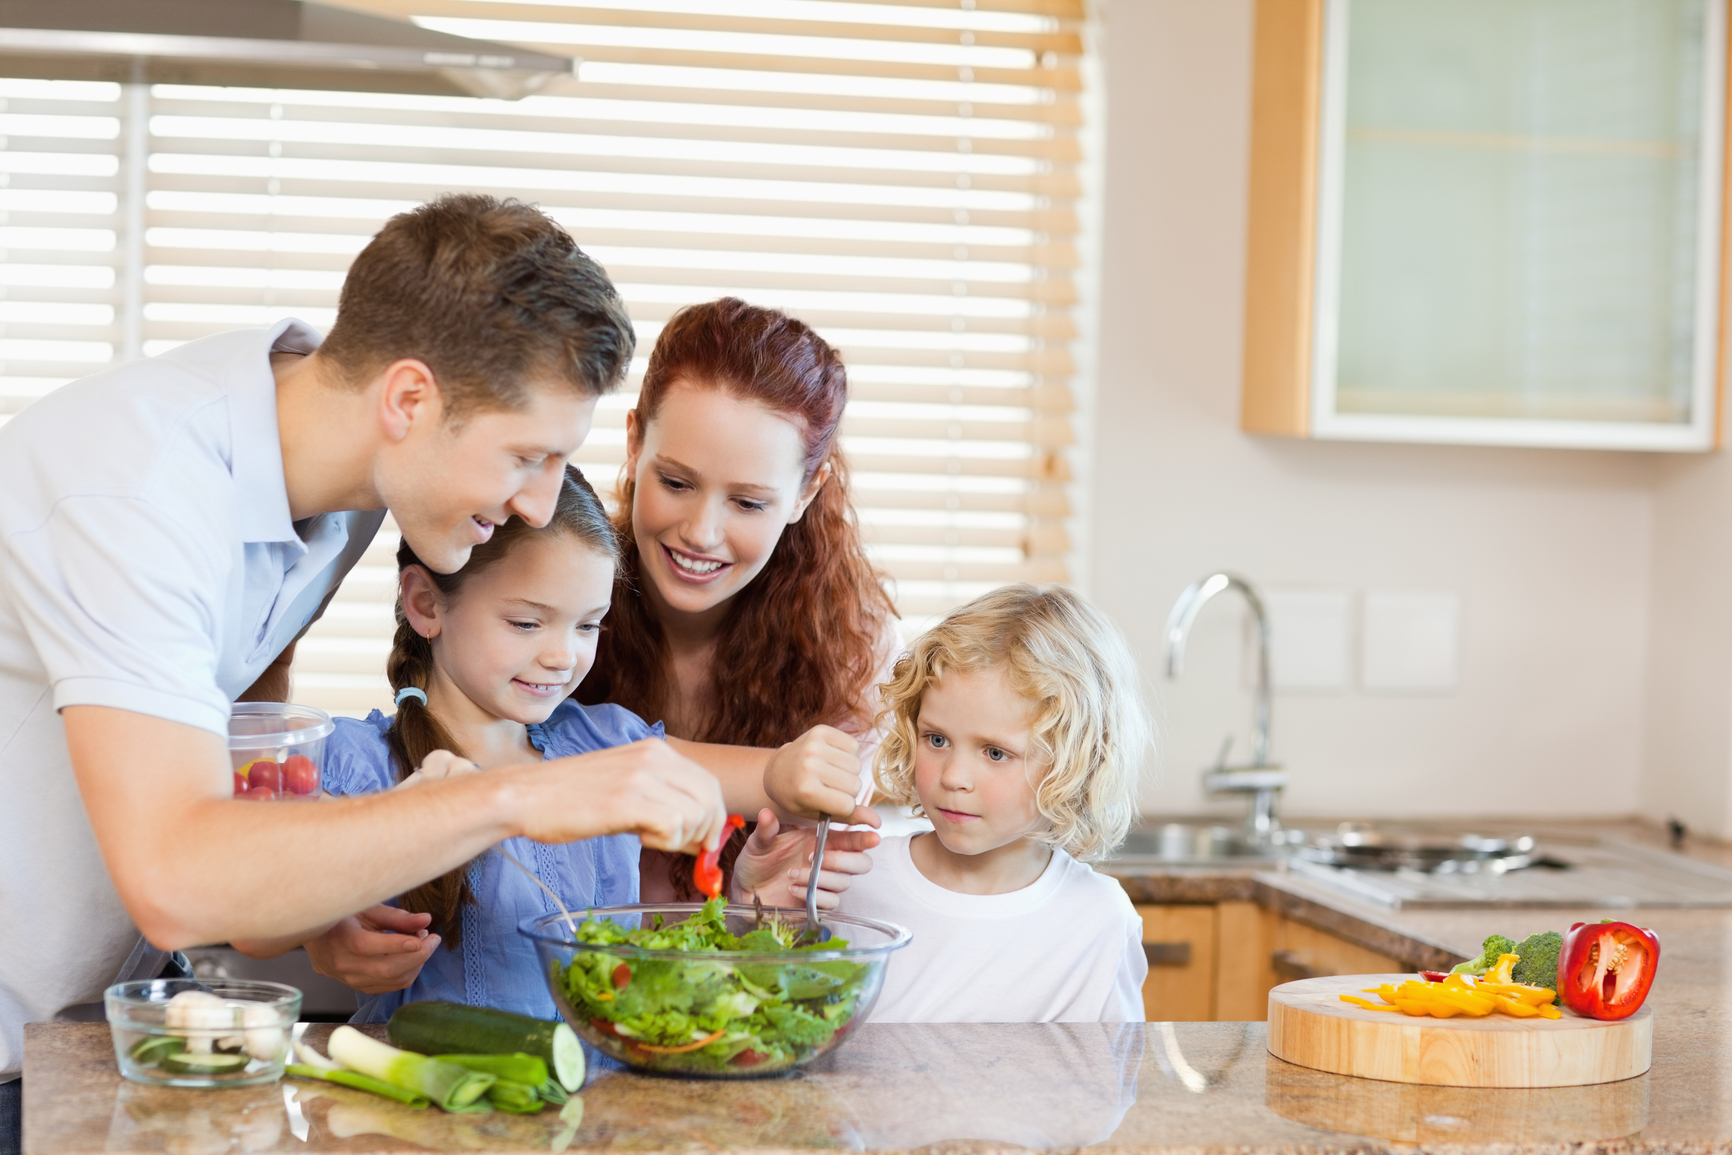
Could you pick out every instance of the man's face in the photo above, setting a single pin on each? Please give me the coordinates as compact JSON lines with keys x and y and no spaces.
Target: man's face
{"x":448,"y":484}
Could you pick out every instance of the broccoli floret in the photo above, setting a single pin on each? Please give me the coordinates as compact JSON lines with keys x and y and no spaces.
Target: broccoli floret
{"x":1539,"y":955}
{"x":1494,"y":946}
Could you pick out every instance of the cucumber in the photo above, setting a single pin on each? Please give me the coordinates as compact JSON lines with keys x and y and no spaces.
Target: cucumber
{"x":215,"y":1063}
{"x":458,"y":1029}
{"x":152,"y":1049}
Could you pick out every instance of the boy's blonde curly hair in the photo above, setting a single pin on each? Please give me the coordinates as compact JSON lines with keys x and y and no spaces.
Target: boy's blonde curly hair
{"x":1090,"y":727}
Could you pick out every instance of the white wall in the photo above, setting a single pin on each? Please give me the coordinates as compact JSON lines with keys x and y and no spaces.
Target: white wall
{"x":1548,"y":550}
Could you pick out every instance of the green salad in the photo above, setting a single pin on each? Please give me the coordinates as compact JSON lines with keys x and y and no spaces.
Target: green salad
{"x":705,"y":1013}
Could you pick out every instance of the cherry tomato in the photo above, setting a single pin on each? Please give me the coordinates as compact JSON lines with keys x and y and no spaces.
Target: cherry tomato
{"x":300,"y":776}
{"x":749,"y":1058}
{"x":265,"y":773}
{"x":240,"y":784}
{"x":621,"y":976}
{"x":261,"y":794}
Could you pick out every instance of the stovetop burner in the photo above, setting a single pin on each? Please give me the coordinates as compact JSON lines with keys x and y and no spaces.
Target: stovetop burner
{"x":1363,"y":847}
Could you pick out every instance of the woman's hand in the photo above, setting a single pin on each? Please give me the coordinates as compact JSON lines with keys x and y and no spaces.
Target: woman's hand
{"x":818,"y":773}
{"x":380,"y":950}
{"x":776,"y":864}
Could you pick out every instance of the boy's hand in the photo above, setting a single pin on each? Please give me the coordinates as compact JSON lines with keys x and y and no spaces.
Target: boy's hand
{"x":380,"y":950}
{"x":776,"y":864}
{"x":818,"y":773}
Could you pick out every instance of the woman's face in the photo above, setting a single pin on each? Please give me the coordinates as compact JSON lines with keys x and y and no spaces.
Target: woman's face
{"x":718,"y":479}
{"x":521,"y":634}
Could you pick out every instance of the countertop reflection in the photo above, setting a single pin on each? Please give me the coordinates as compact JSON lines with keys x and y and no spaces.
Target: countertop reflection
{"x":1159,"y":1087}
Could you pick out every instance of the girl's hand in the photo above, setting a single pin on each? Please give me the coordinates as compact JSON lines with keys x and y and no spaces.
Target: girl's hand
{"x":776,"y":864}
{"x":437,"y":765}
{"x":381,"y":949}
{"x":818,"y":773}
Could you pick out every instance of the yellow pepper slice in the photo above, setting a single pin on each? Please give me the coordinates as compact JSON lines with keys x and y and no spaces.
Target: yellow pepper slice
{"x":1500,"y":971}
{"x":1366,"y":1003}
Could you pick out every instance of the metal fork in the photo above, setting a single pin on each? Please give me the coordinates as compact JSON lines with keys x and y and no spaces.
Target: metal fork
{"x":814,"y":931}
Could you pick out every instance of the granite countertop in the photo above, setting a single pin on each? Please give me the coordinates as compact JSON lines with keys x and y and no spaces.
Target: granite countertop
{"x":1157,"y":1087}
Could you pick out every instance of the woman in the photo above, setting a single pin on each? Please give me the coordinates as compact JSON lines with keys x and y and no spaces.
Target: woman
{"x":746,"y":611}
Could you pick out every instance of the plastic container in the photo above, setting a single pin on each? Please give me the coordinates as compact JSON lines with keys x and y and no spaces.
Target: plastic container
{"x":277,"y":750}
{"x":837,"y":985}
{"x":222,"y":1033}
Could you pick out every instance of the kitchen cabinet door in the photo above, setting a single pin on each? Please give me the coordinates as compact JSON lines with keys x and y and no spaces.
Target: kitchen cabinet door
{"x":1180,"y":943}
{"x":1494,"y":222}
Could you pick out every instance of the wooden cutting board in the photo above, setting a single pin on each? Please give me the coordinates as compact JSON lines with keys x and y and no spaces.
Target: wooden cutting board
{"x":1311,"y":1026}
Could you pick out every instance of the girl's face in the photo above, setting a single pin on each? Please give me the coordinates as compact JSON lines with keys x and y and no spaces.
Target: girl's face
{"x":973,"y":769}
{"x":718,"y":479}
{"x":521,"y":634}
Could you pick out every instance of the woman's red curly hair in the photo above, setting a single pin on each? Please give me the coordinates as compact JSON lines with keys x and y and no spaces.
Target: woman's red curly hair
{"x":800,"y":646}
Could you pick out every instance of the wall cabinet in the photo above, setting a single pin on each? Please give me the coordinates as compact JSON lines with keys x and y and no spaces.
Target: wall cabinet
{"x":1487,"y":222}
{"x":1218,"y":961}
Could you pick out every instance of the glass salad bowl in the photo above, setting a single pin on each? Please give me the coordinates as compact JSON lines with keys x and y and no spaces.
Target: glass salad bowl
{"x":709,"y":990}
{"x":187,"y":1033}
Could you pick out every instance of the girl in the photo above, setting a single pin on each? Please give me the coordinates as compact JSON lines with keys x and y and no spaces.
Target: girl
{"x":1018,"y":727}
{"x":482,"y":662}
{"x":746,"y":611}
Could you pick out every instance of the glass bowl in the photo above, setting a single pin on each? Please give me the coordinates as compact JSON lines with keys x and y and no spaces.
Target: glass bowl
{"x":188,"y":1033}
{"x":715,"y":1014}
{"x":277,"y":750}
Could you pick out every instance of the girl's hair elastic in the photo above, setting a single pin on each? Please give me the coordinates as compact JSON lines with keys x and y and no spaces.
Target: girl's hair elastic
{"x":411,"y":692}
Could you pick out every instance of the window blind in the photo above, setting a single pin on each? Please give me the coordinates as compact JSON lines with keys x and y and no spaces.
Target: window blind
{"x":901,"y":175}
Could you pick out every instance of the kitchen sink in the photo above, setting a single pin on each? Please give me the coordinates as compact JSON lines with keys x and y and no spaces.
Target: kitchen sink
{"x":1179,"y":843}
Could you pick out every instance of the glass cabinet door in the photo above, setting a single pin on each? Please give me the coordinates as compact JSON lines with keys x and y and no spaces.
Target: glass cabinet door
{"x":1518,"y":222}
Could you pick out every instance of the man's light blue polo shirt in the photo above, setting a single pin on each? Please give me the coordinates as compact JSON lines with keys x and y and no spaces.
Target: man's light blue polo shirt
{"x":147,"y":562}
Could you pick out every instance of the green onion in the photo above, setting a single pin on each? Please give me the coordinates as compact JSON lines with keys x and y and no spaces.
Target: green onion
{"x":452,"y":1087}
{"x":358,"y":1081}
{"x":518,"y":1067}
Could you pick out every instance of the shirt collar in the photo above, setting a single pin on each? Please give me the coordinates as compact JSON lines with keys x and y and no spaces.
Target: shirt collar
{"x":261,"y":490}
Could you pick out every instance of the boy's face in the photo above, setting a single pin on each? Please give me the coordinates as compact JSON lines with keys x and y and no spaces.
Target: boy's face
{"x":448,"y":484}
{"x":973,"y":768}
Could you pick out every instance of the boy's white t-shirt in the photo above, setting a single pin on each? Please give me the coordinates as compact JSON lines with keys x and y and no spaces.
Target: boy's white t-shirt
{"x":1066,"y":949}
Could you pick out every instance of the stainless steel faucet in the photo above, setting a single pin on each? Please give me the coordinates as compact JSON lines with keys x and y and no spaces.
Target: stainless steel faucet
{"x":1260,"y":779}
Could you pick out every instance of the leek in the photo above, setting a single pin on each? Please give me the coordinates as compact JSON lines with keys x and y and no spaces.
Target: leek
{"x":454,"y":1088}
{"x":359,"y":1082}
{"x":519,"y":1067}
{"x":516,"y":1098}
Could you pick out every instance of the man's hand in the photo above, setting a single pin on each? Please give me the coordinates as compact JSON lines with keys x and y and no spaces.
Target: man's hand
{"x":380,"y":950}
{"x":646,"y":788}
{"x":776,"y":864}
{"x":816,"y":774}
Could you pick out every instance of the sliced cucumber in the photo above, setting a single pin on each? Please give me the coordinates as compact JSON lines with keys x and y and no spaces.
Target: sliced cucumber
{"x":152,"y":1049}
{"x":568,"y":1060}
{"x":433,"y":1028}
{"x":215,"y":1063}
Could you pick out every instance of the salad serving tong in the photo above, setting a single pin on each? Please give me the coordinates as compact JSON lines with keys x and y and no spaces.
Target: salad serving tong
{"x":814,"y":931}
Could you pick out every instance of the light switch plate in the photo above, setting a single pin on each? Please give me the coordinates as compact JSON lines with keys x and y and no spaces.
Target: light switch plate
{"x":1310,"y":639}
{"x":1410,"y":641}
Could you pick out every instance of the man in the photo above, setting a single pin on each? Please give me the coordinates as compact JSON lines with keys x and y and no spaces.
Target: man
{"x":169,"y":527}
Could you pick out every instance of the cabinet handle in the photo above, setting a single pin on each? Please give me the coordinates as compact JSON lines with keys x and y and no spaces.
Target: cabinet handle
{"x":1167,"y":954}
{"x":1290,"y":966}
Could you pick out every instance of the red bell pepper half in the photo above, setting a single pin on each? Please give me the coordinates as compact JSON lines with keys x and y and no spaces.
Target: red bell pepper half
{"x":1607,"y":968}
{"x":706,"y":874}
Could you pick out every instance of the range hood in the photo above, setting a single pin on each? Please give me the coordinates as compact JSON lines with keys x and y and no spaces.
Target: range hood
{"x":258,"y":44}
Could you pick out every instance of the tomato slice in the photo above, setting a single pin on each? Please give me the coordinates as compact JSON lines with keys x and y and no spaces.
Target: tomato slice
{"x":1607,"y":968}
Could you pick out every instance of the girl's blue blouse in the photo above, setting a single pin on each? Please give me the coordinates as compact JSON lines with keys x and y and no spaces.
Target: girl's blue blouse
{"x":495,"y":966}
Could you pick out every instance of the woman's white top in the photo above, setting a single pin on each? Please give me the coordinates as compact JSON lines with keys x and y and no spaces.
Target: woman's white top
{"x":1066,"y":949}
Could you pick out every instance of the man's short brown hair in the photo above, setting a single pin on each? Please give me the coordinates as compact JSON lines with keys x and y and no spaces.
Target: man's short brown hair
{"x":490,"y":294}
